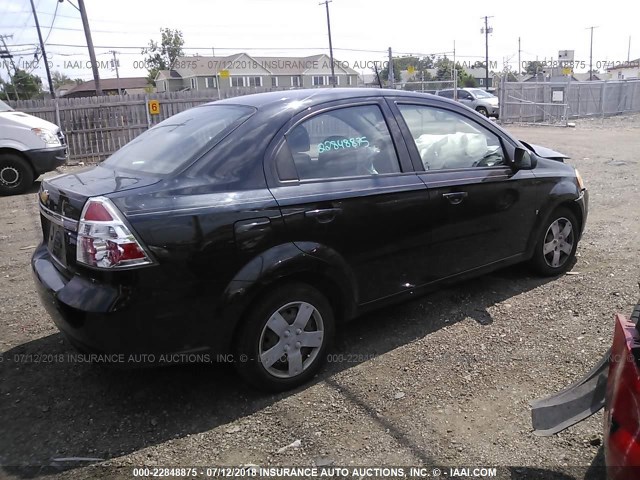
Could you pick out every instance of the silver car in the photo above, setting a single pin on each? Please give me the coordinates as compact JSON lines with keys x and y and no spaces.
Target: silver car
{"x":480,"y":100}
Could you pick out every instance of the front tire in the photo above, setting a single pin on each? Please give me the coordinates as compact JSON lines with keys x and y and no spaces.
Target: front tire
{"x":16,"y":175}
{"x":284,"y":338}
{"x":556,"y":247}
{"x":483,"y":111}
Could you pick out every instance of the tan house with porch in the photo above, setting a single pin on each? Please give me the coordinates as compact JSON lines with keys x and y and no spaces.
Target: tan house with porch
{"x":244,"y":72}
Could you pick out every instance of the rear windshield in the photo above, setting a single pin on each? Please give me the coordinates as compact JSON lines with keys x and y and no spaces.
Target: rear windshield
{"x":178,"y":140}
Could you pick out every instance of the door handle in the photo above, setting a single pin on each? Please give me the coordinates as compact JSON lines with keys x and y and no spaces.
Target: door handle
{"x":323,"y":215}
{"x":455,"y":198}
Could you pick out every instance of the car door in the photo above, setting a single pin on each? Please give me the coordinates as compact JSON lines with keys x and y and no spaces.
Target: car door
{"x":483,"y":209}
{"x":344,"y":181}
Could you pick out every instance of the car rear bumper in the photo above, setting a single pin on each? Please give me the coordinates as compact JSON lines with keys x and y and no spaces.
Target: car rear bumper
{"x":113,"y":319}
{"x":46,"y":159}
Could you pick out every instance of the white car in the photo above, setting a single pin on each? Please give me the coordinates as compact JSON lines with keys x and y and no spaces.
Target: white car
{"x":476,"y":98}
{"x":29,"y":147}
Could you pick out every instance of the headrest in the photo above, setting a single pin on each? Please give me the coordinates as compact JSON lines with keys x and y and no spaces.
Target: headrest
{"x":298,"y":140}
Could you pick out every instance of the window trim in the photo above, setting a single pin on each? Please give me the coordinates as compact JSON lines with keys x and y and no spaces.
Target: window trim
{"x":323,"y":110}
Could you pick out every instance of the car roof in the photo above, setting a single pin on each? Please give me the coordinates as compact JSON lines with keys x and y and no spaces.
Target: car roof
{"x":314,"y":96}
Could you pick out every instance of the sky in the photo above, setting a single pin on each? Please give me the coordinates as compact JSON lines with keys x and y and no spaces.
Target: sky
{"x":361,"y":30}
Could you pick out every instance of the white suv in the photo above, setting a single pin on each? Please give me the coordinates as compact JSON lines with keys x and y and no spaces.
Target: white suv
{"x":479,"y":100}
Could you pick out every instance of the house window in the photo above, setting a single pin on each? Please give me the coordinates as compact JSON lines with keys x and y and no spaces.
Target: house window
{"x":237,"y":81}
{"x":349,"y":80}
{"x":164,"y":85}
{"x":337,"y":80}
{"x":210,"y":82}
{"x":194,"y":84}
{"x":274,"y":81}
{"x":295,"y":82}
{"x":318,"y":81}
{"x":255,"y":81}
{"x":482,"y":81}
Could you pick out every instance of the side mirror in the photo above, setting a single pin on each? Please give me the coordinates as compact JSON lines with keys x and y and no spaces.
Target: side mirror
{"x":523,"y":160}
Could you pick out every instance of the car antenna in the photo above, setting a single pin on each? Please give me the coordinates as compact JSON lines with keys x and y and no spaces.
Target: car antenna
{"x":377,"y":75}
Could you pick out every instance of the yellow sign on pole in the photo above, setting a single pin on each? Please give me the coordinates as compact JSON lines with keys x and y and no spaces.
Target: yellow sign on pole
{"x":224,"y":73}
{"x":411,"y":69}
{"x":154,"y":107}
{"x":567,"y":71}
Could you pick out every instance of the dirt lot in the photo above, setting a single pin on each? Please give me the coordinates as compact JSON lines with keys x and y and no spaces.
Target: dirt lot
{"x":443,"y":380}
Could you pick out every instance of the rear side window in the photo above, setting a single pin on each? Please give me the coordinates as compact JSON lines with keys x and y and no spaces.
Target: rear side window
{"x":446,"y":93}
{"x":345,"y":142}
{"x":179,"y":140}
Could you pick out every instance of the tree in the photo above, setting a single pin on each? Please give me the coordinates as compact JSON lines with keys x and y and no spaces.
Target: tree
{"x":534,"y":67}
{"x":28,"y":86}
{"x":444,"y":67}
{"x":416,"y":64}
{"x":59,"y":79}
{"x":163,"y":56}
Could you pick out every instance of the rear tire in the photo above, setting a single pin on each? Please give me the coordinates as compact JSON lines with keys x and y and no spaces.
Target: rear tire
{"x":16,"y":175}
{"x":556,"y":247}
{"x":284,"y":338}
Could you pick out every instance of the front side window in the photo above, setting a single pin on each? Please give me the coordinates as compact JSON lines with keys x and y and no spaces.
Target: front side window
{"x":445,"y":139}
{"x":346,"y":142}
{"x":446,"y":93}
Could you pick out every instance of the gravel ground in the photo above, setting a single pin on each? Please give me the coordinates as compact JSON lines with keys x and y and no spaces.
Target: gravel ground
{"x":442,"y":380}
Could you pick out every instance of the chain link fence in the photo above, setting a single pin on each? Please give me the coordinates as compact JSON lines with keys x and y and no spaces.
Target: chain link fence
{"x":556,"y":102}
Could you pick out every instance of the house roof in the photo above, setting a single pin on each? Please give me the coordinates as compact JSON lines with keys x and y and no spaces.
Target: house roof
{"x":247,"y":64}
{"x":167,"y":74}
{"x":110,"y":84}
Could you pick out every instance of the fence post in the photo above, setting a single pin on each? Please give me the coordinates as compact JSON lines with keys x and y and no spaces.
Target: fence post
{"x":146,"y":110}
{"x":602,"y":91}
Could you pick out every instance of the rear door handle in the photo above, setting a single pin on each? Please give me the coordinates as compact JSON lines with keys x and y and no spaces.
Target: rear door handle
{"x":455,"y":198}
{"x":323,"y":215}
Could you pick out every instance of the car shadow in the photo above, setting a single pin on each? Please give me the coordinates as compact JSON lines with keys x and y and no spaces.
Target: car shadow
{"x":51,"y":407}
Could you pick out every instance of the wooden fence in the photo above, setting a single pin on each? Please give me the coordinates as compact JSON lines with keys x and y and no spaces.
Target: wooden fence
{"x":95,"y":127}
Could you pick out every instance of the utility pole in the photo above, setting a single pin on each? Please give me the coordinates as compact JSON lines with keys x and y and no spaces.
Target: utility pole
{"x":333,"y":73}
{"x":454,"y":73}
{"x":591,"y":54}
{"x":392,"y":75}
{"x":115,"y":64}
{"x":519,"y":64}
{"x":44,"y":53}
{"x":486,"y":30}
{"x":92,"y":53}
{"x":6,"y":54}
{"x":629,"y":51}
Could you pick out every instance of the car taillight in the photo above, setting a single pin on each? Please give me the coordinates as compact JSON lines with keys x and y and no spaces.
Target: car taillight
{"x":104,"y":240}
{"x":622,"y":409}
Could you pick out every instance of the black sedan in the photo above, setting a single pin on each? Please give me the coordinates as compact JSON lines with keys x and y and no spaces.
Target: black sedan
{"x":254,"y":226}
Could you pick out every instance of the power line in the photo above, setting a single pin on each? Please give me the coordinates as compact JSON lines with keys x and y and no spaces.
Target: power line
{"x":52,"y":22}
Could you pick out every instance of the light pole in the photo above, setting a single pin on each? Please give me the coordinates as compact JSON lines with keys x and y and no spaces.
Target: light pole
{"x":333,"y":76}
{"x":591,"y":54}
{"x":486,"y":30}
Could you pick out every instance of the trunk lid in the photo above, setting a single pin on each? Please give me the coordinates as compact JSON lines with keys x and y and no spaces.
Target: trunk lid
{"x":62,"y":199}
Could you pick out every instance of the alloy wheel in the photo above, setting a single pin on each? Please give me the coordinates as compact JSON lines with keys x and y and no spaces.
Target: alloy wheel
{"x":558,"y":242}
